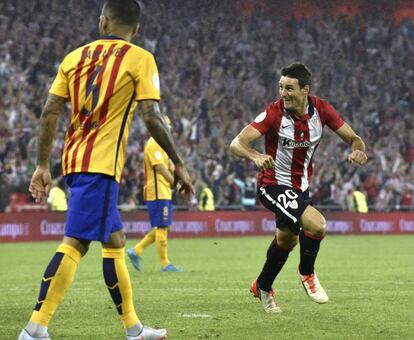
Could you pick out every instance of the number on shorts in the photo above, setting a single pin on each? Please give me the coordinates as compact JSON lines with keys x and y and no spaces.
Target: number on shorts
{"x":288,"y":199}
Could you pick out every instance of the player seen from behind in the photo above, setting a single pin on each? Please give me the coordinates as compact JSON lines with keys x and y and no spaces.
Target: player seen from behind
{"x":104,"y":81}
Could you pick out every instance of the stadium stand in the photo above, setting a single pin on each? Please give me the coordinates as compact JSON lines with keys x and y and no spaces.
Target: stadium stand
{"x":219,"y":63}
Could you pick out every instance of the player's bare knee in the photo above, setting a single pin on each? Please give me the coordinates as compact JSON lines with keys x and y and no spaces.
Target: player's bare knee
{"x":82,"y":246}
{"x":121,"y":240}
{"x":116,"y":240}
{"x":85,"y":248}
{"x":287,"y":245}
{"x":318,"y":228}
{"x":291,"y":245}
{"x":82,"y":249}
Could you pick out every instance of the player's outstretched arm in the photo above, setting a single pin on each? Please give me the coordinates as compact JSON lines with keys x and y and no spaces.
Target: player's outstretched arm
{"x":240,"y":147}
{"x":356,"y":143}
{"x":41,"y":180}
{"x":152,"y":118}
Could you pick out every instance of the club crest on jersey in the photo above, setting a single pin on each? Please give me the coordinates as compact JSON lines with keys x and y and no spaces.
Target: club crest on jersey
{"x":291,"y":144}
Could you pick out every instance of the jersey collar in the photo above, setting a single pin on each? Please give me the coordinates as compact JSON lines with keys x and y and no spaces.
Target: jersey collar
{"x":111,"y":37}
{"x":310,"y":110}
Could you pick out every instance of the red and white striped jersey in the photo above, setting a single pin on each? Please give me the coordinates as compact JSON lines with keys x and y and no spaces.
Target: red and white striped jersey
{"x":291,"y":141}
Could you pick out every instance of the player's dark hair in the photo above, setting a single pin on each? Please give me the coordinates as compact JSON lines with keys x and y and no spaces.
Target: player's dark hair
{"x":298,"y":71}
{"x":125,"y":12}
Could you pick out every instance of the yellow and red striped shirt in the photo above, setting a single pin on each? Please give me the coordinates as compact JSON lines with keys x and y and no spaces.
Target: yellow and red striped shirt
{"x":103,"y":80}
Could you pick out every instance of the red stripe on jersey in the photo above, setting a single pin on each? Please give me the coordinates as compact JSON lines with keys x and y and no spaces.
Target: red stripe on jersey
{"x":105,"y":106}
{"x":82,"y":118}
{"x":310,"y":167}
{"x":71,"y":130}
{"x":268,"y":176}
{"x":77,"y":80}
{"x":299,"y":154}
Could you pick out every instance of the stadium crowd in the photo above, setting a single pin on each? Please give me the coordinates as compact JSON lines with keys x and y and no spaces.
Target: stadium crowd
{"x":218,"y":70}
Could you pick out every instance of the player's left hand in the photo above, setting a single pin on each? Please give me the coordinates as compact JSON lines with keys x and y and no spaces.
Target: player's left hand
{"x":358,"y":157}
{"x":183,"y":181}
{"x":40,"y":183}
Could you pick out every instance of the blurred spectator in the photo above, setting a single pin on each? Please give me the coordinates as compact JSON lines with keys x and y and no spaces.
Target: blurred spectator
{"x":206,"y":200}
{"x":406,"y":200}
{"x":248,"y":191}
{"x":218,"y":64}
{"x":371,"y":187}
{"x":231,"y":192}
{"x":359,"y":200}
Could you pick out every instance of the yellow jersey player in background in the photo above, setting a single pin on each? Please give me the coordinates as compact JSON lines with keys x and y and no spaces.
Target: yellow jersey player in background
{"x":159,"y":178}
{"x":104,"y":81}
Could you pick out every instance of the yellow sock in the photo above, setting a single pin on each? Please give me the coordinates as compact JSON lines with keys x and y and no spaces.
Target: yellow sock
{"x":161,"y":239}
{"x":119,"y":284}
{"x":145,"y":242}
{"x":56,"y":280}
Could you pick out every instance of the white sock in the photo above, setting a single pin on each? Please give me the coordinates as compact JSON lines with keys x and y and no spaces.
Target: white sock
{"x":36,"y":330}
{"x":134,"y":330}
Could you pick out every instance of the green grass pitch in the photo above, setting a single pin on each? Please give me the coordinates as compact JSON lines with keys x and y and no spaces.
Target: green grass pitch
{"x":369,"y":280}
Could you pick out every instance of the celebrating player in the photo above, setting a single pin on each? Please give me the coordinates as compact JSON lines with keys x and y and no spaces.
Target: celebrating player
{"x":159,"y":177}
{"x":104,"y":80}
{"x":292,"y":127}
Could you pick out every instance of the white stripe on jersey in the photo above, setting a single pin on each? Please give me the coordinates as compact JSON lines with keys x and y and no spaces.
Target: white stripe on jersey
{"x":284,"y":157}
{"x":315,"y":134}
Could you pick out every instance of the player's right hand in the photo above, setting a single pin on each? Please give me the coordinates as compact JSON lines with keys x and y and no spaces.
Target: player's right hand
{"x":184,"y":186}
{"x":40,"y":183}
{"x":264,"y":161}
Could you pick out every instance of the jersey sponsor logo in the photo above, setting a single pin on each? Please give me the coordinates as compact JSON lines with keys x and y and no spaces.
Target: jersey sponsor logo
{"x":288,"y":199}
{"x":261,"y":117}
{"x":291,"y":144}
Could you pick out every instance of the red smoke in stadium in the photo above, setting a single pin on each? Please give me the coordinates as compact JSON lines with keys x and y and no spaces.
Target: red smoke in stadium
{"x":298,"y":9}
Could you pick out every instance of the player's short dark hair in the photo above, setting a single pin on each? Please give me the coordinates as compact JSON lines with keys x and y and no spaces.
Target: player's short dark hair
{"x":124,"y":12}
{"x":298,"y":71}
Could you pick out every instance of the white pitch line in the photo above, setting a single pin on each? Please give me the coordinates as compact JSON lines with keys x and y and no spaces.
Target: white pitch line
{"x":195,"y":315}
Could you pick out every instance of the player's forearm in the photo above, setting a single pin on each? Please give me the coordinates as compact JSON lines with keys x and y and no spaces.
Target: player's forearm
{"x":358,"y":144}
{"x":166,"y":173}
{"x":47,"y":129}
{"x":158,"y":130}
{"x":242,"y":150}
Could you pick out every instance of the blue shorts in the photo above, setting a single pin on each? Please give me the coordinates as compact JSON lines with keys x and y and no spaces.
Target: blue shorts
{"x":160,"y":213}
{"x":92,"y":209}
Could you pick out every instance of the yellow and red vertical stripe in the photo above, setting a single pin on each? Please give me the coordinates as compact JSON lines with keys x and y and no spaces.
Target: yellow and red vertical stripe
{"x":103,"y":81}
